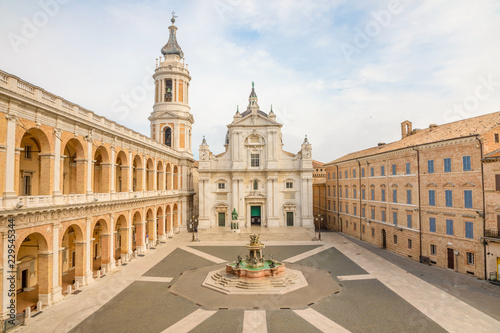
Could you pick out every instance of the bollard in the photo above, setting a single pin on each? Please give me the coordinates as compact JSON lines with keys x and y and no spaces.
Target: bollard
{"x":98,"y":274}
{"x":77,"y":285}
{"x":119,"y":262}
{"x":39,"y":306}
{"x":28,"y":312}
{"x":69,"y":290}
{"x":103,"y":270}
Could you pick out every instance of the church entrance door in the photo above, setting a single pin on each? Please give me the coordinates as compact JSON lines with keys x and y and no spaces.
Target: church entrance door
{"x":255,"y":216}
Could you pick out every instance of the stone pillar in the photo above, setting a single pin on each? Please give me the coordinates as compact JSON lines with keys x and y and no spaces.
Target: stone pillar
{"x":241,"y":203}
{"x":112,"y":171}
{"x":129,"y":233}
{"x":139,"y":237}
{"x":90,"y":164}
{"x":234,"y":197}
{"x":130,"y":171}
{"x":155,"y":175}
{"x":88,"y":258}
{"x":161,"y":225}
{"x":56,"y":287}
{"x":80,"y":262}
{"x":57,"y":163}
{"x":10,"y":161}
{"x":145,"y":170}
{"x":111,"y":241}
{"x":124,"y":231}
{"x":45,"y":261}
{"x":106,"y":256}
{"x":46,"y":165}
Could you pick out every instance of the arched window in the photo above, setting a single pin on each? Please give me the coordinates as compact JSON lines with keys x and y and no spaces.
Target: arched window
{"x":168,"y":136}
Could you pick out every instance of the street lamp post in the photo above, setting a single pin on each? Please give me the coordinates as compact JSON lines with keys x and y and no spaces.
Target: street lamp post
{"x":320,"y":223}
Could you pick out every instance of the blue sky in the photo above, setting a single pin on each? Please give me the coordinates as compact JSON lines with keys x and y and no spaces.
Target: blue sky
{"x":345,"y":73}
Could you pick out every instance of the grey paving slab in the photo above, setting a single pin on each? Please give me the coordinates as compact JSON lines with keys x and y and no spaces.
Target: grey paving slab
{"x":287,"y":321}
{"x":369,"y":306}
{"x":175,"y":263}
{"x":230,"y":253}
{"x":141,"y":307}
{"x":222,"y":321}
{"x":478,"y":293}
{"x":334,"y":262}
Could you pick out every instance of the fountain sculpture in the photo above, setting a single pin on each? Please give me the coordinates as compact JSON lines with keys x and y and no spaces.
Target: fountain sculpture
{"x":255,"y":266}
{"x":255,"y":275}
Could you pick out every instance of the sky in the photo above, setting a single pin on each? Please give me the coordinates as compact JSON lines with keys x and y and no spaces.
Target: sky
{"x":344,"y":73}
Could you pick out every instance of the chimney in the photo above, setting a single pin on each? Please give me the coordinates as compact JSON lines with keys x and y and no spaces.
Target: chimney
{"x":406,"y":129}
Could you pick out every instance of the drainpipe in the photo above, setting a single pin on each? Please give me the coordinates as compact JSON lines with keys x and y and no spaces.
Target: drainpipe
{"x":484,"y":207}
{"x":419,"y":207}
{"x":359,"y":188}
{"x":338,"y":193}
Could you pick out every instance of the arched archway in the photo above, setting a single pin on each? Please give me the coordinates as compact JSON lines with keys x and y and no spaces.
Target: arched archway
{"x":168,"y":178}
{"x":72,"y":256}
{"x":160,"y":224}
{"x":121,"y":172}
{"x":168,"y":215}
{"x":176,"y":178}
{"x":168,"y":136}
{"x":121,"y":238}
{"x":150,"y":169}
{"x":138,"y":233}
{"x":159,"y":176}
{"x":102,"y":170}
{"x":137,"y":174}
{"x":100,"y":249}
{"x":150,"y":227}
{"x":35,"y":169}
{"x":74,"y":168}
{"x":175,"y":219}
{"x":34,"y":273}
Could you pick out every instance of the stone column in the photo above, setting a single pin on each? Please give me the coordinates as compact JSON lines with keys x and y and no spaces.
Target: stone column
{"x":57,"y":163}
{"x":129,"y":233}
{"x":112,"y":241}
{"x":155,"y":175}
{"x":45,"y":277}
{"x":90,"y":164}
{"x":130,"y":172}
{"x":56,"y":287}
{"x":80,"y":262}
{"x":112,"y":177}
{"x":46,"y":164}
{"x":145,"y":170}
{"x":10,"y":161}
{"x":241,"y":203}
{"x":88,"y":258}
{"x":106,"y":256}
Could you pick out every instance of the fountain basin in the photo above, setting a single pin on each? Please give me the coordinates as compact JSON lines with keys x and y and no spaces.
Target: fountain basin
{"x":246,"y":270}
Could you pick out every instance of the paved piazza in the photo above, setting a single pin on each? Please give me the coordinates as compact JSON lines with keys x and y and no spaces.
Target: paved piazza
{"x":379,"y":292}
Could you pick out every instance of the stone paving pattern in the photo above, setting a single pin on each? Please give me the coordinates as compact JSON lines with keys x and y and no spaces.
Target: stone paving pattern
{"x":370,"y":303}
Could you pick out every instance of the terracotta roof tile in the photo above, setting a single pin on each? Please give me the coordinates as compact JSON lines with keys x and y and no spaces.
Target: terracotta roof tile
{"x":458,"y":129}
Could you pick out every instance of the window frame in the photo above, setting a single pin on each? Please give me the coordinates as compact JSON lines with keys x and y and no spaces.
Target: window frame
{"x":255,"y":160}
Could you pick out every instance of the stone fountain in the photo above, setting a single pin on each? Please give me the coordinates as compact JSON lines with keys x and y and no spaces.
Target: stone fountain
{"x":255,"y":275}
{"x":254,"y":266}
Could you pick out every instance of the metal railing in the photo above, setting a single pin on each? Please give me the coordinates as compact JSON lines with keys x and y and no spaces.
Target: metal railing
{"x":491,"y":233}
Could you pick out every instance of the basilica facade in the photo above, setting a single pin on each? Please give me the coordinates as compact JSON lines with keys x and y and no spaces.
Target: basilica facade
{"x":83,"y":194}
{"x":267,"y":186}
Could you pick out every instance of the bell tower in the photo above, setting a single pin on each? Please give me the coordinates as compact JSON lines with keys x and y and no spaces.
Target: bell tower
{"x":171,"y":119}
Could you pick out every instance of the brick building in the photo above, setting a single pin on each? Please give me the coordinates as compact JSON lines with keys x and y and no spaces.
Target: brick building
{"x":431,"y":196}
{"x":85,"y":193}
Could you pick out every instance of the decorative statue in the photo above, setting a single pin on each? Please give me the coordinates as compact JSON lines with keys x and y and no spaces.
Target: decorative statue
{"x":239,"y":259}
{"x":235,"y":214}
{"x":254,"y":239}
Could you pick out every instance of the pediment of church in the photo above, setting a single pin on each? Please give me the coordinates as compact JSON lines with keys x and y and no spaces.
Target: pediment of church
{"x":255,"y":119}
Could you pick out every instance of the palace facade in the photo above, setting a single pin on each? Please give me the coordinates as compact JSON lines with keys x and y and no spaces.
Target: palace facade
{"x":433,"y":196}
{"x":86,"y":194}
{"x":266,"y":185}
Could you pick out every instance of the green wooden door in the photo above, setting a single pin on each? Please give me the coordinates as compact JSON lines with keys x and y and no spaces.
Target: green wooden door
{"x":222,"y":219}
{"x":289,"y":219}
